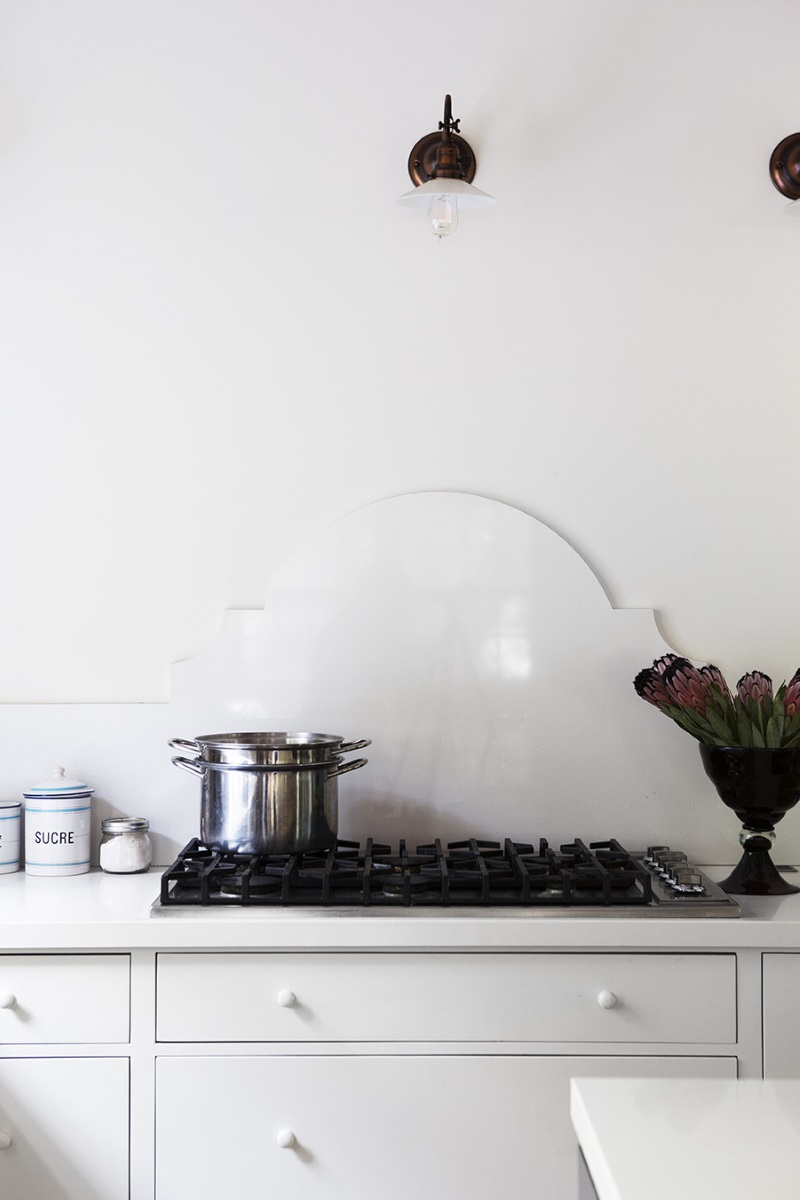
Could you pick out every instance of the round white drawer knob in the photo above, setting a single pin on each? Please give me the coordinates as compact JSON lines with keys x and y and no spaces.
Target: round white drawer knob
{"x":286,"y":1139}
{"x":286,"y":998}
{"x":5,"y":1139}
{"x":7,"y":999}
{"x":607,"y":1000}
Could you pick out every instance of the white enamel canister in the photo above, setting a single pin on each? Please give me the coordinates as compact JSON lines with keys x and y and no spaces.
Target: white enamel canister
{"x":58,"y":826}
{"x":10,"y":824}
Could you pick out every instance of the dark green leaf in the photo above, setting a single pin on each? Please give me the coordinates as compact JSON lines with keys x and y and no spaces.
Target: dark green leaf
{"x":755,"y":712}
{"x":721,"y":703}
{"x":743,"y":727}
{"x":687,"y":720}
{"x":725,"y":732}
{"x":774,"y":731}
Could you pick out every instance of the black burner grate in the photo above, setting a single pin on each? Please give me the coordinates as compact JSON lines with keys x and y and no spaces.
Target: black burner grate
{"x":472,"y":872}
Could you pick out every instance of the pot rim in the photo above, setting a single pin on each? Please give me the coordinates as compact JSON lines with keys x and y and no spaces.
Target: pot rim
{"x":267,"y":741}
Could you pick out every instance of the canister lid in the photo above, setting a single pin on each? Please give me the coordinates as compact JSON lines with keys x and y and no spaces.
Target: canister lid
{"x":59,"y":785}
{"x":125,"y":825}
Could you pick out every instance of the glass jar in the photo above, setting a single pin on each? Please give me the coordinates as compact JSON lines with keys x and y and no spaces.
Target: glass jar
{"x":125,"y":846}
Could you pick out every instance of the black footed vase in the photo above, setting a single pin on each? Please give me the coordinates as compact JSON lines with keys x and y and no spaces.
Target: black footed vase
{"x":760,"y":785}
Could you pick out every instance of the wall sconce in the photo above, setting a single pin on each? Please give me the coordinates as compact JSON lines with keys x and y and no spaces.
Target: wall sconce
{"x":784,"y":167}
{"x":442,"y":167}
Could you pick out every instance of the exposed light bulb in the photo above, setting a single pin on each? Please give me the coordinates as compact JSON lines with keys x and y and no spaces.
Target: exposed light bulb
{"x":443,"y":215}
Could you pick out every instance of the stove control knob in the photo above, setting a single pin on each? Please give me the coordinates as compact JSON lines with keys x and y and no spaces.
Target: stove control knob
{"x":5,"y":1139}
{"x":687,"y":880}
{"x":286,"y":998}
{"x":607,"y":999}
{"x":286,"y":1139}
{"x":7,"y":999}
{"x":667,"y":864}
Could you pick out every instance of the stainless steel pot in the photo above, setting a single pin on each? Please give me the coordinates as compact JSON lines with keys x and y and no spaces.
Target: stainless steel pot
{"x":285,"y":805}
{"x":268,"y":749}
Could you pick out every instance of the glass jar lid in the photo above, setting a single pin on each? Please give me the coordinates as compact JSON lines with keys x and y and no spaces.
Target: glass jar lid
{"x":126,"y":825}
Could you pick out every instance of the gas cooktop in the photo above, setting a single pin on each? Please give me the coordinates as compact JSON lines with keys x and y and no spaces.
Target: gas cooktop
{"x":577,"y":879}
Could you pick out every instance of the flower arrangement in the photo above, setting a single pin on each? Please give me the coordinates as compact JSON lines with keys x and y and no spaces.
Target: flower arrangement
{"x":700,"y":701}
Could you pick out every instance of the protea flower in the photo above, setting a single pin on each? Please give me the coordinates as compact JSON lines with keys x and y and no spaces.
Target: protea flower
{"x":650,"y":686}
{"x":716,"y":679}
{"x":791,"y":699}
{"x":686,"y":686}
{"x":660,"y":664}
{"x":755,"y":686}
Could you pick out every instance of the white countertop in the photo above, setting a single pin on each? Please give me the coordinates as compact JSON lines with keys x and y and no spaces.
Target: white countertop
{"x":100,"y":911}
{"x":662,"y":1138}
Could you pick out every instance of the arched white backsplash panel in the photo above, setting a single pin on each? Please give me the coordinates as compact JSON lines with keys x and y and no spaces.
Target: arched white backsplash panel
{"x":476,"y":649}
{"x":482,"y":656}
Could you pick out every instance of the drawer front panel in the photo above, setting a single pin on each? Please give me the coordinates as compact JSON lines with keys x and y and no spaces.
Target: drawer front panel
{"x":64,"y":1127}
{"x":646,"y":998}
{"x":781,"y":1001}
{"x":452,"y":1127}
{"x":64,"y":998}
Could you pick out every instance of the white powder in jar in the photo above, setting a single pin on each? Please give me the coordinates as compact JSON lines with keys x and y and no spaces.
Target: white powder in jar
{"x":125,"y":847}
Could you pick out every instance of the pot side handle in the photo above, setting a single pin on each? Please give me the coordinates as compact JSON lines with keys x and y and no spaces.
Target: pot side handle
{"x":351,"y":766}
{"x":346,"y":747}
{"x":193,"y":765}
{"x":184,"y":744}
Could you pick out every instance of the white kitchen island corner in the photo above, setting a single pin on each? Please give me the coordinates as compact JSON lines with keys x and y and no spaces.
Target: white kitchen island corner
{"x":700,"y":1137}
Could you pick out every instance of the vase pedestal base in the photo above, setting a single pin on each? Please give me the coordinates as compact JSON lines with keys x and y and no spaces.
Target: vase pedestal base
{"x":756,"y":875}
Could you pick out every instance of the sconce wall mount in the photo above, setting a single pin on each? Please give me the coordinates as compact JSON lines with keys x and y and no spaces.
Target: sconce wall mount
{"x":784,"y":166}
{"x":425,"y":160}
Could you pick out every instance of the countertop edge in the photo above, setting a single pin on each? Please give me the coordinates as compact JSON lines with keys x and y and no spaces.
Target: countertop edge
{"x":590,"y":1146}
{"x":99,"y":911}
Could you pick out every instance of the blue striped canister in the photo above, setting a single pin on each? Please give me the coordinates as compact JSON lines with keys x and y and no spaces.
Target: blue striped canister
{"x":10,"y":823}
{"x":58,"y":816}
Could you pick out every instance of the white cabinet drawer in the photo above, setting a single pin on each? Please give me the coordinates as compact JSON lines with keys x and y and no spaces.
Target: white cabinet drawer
{"x":645,"y":998}
{"x":65,"y":1127}
{"x":451,"y":1127}
{"x":781,"y":999}
{"x":64,"y":998}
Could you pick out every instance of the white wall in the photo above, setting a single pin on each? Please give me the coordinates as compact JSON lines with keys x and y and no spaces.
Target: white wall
{"x":219,"y":333}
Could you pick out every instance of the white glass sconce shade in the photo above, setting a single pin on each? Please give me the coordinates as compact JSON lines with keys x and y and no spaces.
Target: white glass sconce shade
{"x":443,"y":199}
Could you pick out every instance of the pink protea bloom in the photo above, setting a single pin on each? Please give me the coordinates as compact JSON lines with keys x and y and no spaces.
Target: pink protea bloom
{"x":755,"y":685}
{"x":791,"y":699}
{"x":686,"y":686}
{"x":660,"y":664}
{"x":714,"y":677}
{"x":650,"y":686}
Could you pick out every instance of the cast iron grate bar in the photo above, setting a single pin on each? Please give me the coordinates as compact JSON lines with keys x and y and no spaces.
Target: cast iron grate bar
{"x":473,"y":872}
